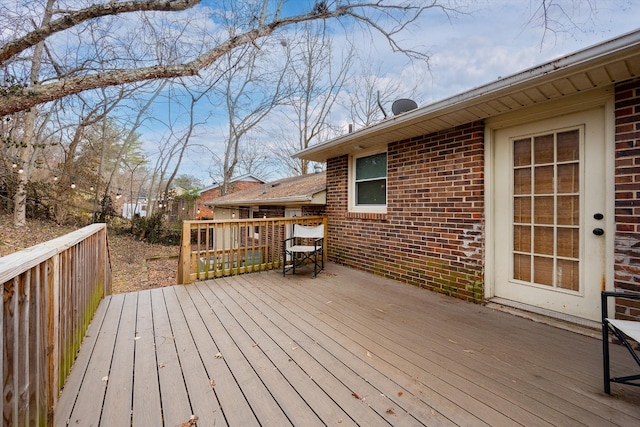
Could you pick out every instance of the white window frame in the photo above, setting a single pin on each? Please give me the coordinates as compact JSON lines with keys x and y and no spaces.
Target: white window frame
{"x":353,"y":207}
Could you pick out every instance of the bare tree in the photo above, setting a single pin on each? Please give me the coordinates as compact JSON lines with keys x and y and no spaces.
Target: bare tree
{"x":316,"y":80}
{"x":26,"y":147}
{"x":251,"y":88}
{"x":117,"y":56}
{"x":557,"y":17}
{"x":389,"y":19}
{"x":254,"y":158}
{"x":370,"y":94}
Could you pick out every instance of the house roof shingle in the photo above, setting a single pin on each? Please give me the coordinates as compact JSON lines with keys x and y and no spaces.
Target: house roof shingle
{"x":292,"y":190}
{"x":245,"y":178}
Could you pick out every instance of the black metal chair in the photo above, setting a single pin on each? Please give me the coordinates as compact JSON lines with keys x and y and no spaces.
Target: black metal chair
{"x":306,"y":243}
{"x":623,"y":330}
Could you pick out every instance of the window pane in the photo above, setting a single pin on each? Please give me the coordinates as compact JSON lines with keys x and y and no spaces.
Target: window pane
{"x":522,"y":181}
{"x":522,"y":209}
{"x":371,"y":167}
{"x":543,"y":149}
{"x":568,"y":146}
{"x":371,"y":192}
{"x":568,"y":241}
{"x":543,"y":240}
{"x":544,"y":210}
{"x":522,"y":238}
{"x":568,"y":178}
{"x":568,"y":275}
{"x":522,"y":152}
{"x":522,"y":267}
{"x":568,"y":210}
{"x":543,"y":270}
{"x":544,"y":180}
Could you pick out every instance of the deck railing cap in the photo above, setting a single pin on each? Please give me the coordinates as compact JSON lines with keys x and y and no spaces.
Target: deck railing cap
{"x":17,"y":263}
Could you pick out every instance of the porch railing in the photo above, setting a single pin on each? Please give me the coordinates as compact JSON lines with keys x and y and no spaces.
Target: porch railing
{"x":211,"y":249}
{"x":51,"y":292}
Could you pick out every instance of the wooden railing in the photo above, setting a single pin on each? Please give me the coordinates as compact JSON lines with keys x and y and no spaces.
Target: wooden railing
{"x":211,"y":249}
{"x":51,"y":292}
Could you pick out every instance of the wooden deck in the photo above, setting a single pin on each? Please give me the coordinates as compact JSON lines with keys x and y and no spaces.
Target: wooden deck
{"x":346,"y":348}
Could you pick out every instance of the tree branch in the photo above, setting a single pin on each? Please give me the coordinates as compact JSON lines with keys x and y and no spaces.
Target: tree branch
{"x":23,"y":98}
{"x":96,"y":11}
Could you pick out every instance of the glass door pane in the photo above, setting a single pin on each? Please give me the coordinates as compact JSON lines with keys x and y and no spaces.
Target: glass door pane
{"x":546,"y":210}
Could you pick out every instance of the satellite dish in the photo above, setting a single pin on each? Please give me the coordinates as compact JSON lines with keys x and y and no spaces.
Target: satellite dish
{"x":403,"y":105}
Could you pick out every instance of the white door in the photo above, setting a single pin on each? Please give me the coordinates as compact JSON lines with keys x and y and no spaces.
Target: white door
{"x":549,"y":210}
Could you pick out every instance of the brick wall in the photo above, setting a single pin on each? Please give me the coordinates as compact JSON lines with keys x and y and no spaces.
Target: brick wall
{"x":433,"y":233}
{"x":627,"y":195}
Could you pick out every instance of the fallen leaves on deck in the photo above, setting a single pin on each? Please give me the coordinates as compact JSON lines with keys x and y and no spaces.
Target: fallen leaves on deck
{"x":192,"y":421}
{"x":356,"y":395}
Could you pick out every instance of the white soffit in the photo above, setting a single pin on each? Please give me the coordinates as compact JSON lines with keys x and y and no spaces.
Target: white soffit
{"x":602,"y":65}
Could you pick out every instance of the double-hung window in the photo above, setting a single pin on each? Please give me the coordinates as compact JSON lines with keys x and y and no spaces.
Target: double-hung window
{"x":369,"y":183}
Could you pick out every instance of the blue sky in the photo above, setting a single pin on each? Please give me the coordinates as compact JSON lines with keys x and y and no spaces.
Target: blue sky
{"x":490,"y":40}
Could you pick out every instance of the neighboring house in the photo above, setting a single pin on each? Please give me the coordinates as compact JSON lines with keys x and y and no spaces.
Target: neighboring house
{"x":214,"y":191}
{"x":524,"y":191}
{"x":138,"y":209}
{"x":293,"y":196}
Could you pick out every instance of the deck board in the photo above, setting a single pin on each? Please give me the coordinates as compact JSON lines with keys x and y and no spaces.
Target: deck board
{"x":325,"y":357}
{"x":227,"y":391}
{"x":346,"y":348}
{"x":240,"y":327}
{"x":74,"y":382}
{"x":117,"y":403}
{"x":95,"y":378}
{"x":176,"y":408}
{"x":258,"y":396}
{"x":563,"y":396}
{"x":413,"y":355}
{"x":147,"y":411}
{"x":199,"y":389}
{"x":318,"y":382}
{"x":359,"y":351}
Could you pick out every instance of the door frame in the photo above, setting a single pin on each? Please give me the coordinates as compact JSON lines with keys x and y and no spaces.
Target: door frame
{"x":602,"y":98}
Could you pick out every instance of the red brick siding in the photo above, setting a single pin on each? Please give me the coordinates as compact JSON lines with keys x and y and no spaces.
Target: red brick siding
{"x":433,"y":233}
{"x":313,"y":210}
{"x":627,"y":195}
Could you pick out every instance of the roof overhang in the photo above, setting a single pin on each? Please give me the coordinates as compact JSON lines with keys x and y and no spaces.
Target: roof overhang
{"x":282,"y":201}
{"x":599,"y":66}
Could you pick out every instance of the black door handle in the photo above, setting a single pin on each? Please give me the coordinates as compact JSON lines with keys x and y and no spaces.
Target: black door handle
{"x":598,"y":231}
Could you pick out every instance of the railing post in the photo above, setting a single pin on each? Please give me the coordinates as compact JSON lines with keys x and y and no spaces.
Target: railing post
{"x":326,"y":239}
{"x":184,"y":261}
{"x":53,"y":336}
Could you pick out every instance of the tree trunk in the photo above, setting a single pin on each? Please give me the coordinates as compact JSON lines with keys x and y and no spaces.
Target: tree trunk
{"x":20,"y":198}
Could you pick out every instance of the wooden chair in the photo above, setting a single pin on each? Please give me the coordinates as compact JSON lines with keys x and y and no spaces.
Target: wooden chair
{"x":306,"y":244}
{"x":623,"y":330}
